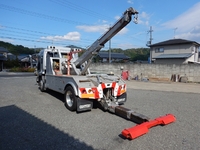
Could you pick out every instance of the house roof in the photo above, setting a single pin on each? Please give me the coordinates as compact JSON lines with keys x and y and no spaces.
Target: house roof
{"x":174,"y":42}
{"x":113,"y":55}
{"x":163,"y":56}
{"x":21,"y":56}
{"x":2,"y":49}
{"x":2,"y":57}
{"x":11,"y":56}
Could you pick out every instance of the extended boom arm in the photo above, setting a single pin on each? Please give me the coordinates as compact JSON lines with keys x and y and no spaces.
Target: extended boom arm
{"x":99,"y":43}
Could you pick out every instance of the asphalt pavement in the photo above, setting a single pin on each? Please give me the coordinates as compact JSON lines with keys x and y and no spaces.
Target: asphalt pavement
{"x":30,"y":119}
{"x":16,"y":74}
{"x":165,"y":86}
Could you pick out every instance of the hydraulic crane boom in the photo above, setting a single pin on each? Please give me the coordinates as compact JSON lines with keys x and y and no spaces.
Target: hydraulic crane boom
{"x":99,"y":43}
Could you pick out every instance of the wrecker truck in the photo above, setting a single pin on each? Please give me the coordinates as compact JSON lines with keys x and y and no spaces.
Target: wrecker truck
{"x":61,"y":70}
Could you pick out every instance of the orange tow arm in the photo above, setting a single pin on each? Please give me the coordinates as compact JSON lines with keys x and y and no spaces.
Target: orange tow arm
{"x":138,"y":130}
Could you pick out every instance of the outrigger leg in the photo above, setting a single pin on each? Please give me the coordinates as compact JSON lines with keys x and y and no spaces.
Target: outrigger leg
{"x":144,"y":122}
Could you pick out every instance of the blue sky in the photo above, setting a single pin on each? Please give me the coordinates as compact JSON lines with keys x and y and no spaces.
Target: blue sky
{"x":39,"y":23}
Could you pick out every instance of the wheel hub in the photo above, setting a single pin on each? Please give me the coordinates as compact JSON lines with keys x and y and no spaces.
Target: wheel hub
{"x":69,"y":100}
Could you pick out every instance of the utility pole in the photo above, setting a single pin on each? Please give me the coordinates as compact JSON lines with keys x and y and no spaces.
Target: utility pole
{"x":150,"y":42}
{"x":150,"y":38}
{"x":175,"y":31}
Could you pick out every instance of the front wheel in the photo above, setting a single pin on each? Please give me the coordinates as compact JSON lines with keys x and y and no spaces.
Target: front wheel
{"x":42,"y":84}
{"x":70,"y":99}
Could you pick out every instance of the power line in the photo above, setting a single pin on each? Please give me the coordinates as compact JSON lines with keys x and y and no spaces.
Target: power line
{"x":24,"y":30}
{"x":79,"y":8}
{"x":35,"y":14}
{"x":37,"y":33}
{"x":16,"y":35}
{"x":6,"y":30}
{"x":35,"y":36}
{"x":32,"y":40}
{"x":40,"y":15}
{"x":29,"y":32}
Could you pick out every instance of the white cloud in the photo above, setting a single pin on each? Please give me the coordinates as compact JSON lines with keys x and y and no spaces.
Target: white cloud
{"x":139,"y":33}
{"x":130,"y":1}
{"x":187,"y":20}
{"x":123,"y":31}
{"x":193,"y":35}
{"x":94,"y":28}
{"x":126,"y":45}
{"x":104,"y":21}
{"x":144,"y":18}
{"x":144,"y":15}
{"x":100,"y":28}
{"x":187,"y":24}
{"x":73,"y":36}
{"x":117,"y":17}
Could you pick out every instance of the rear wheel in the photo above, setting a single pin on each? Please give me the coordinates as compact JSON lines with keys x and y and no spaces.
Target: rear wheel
{"x":70,"y":99}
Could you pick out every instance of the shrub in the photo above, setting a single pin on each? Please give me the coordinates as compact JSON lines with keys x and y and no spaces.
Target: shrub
{"x":19,"y":69}
{"x":30,"y":69}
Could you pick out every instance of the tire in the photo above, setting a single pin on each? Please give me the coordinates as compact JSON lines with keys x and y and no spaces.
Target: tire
{"x":70,"y":99}
{"x":42,"y":84}
{"x":37,"y":79}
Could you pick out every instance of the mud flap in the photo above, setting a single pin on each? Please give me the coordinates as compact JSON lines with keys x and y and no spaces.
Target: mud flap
{"x":122,"y":99}
{"x":84,"y":104}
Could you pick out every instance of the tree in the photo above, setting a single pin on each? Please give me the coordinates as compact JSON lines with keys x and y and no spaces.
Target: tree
{"x":134,"y":53}
{"x":16,"y":49}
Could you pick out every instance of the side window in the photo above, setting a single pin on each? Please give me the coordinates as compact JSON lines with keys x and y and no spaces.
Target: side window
{"x":50,"y":54}
{"x":56,"y":67}
{"x":64,"y":55}
{"x":159,"y":50}
{"x":55,"y":54}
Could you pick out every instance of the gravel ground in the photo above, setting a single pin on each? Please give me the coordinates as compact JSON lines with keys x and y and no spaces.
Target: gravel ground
{"x":30,"y":119}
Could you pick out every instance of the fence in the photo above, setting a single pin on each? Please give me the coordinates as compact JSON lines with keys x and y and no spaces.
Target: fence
{"x":191,"y":71}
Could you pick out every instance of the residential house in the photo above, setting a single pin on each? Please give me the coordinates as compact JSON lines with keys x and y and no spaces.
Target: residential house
{"x":175,"y":51}
{"x":115,"y":57}
{"x":11,"y":56}
{"x":27,"y":60}
{"x":3,"y":56}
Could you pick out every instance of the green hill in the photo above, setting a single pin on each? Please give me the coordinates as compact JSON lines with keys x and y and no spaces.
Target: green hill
{"x":133,"y":53}
{"x":17,"y":49}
